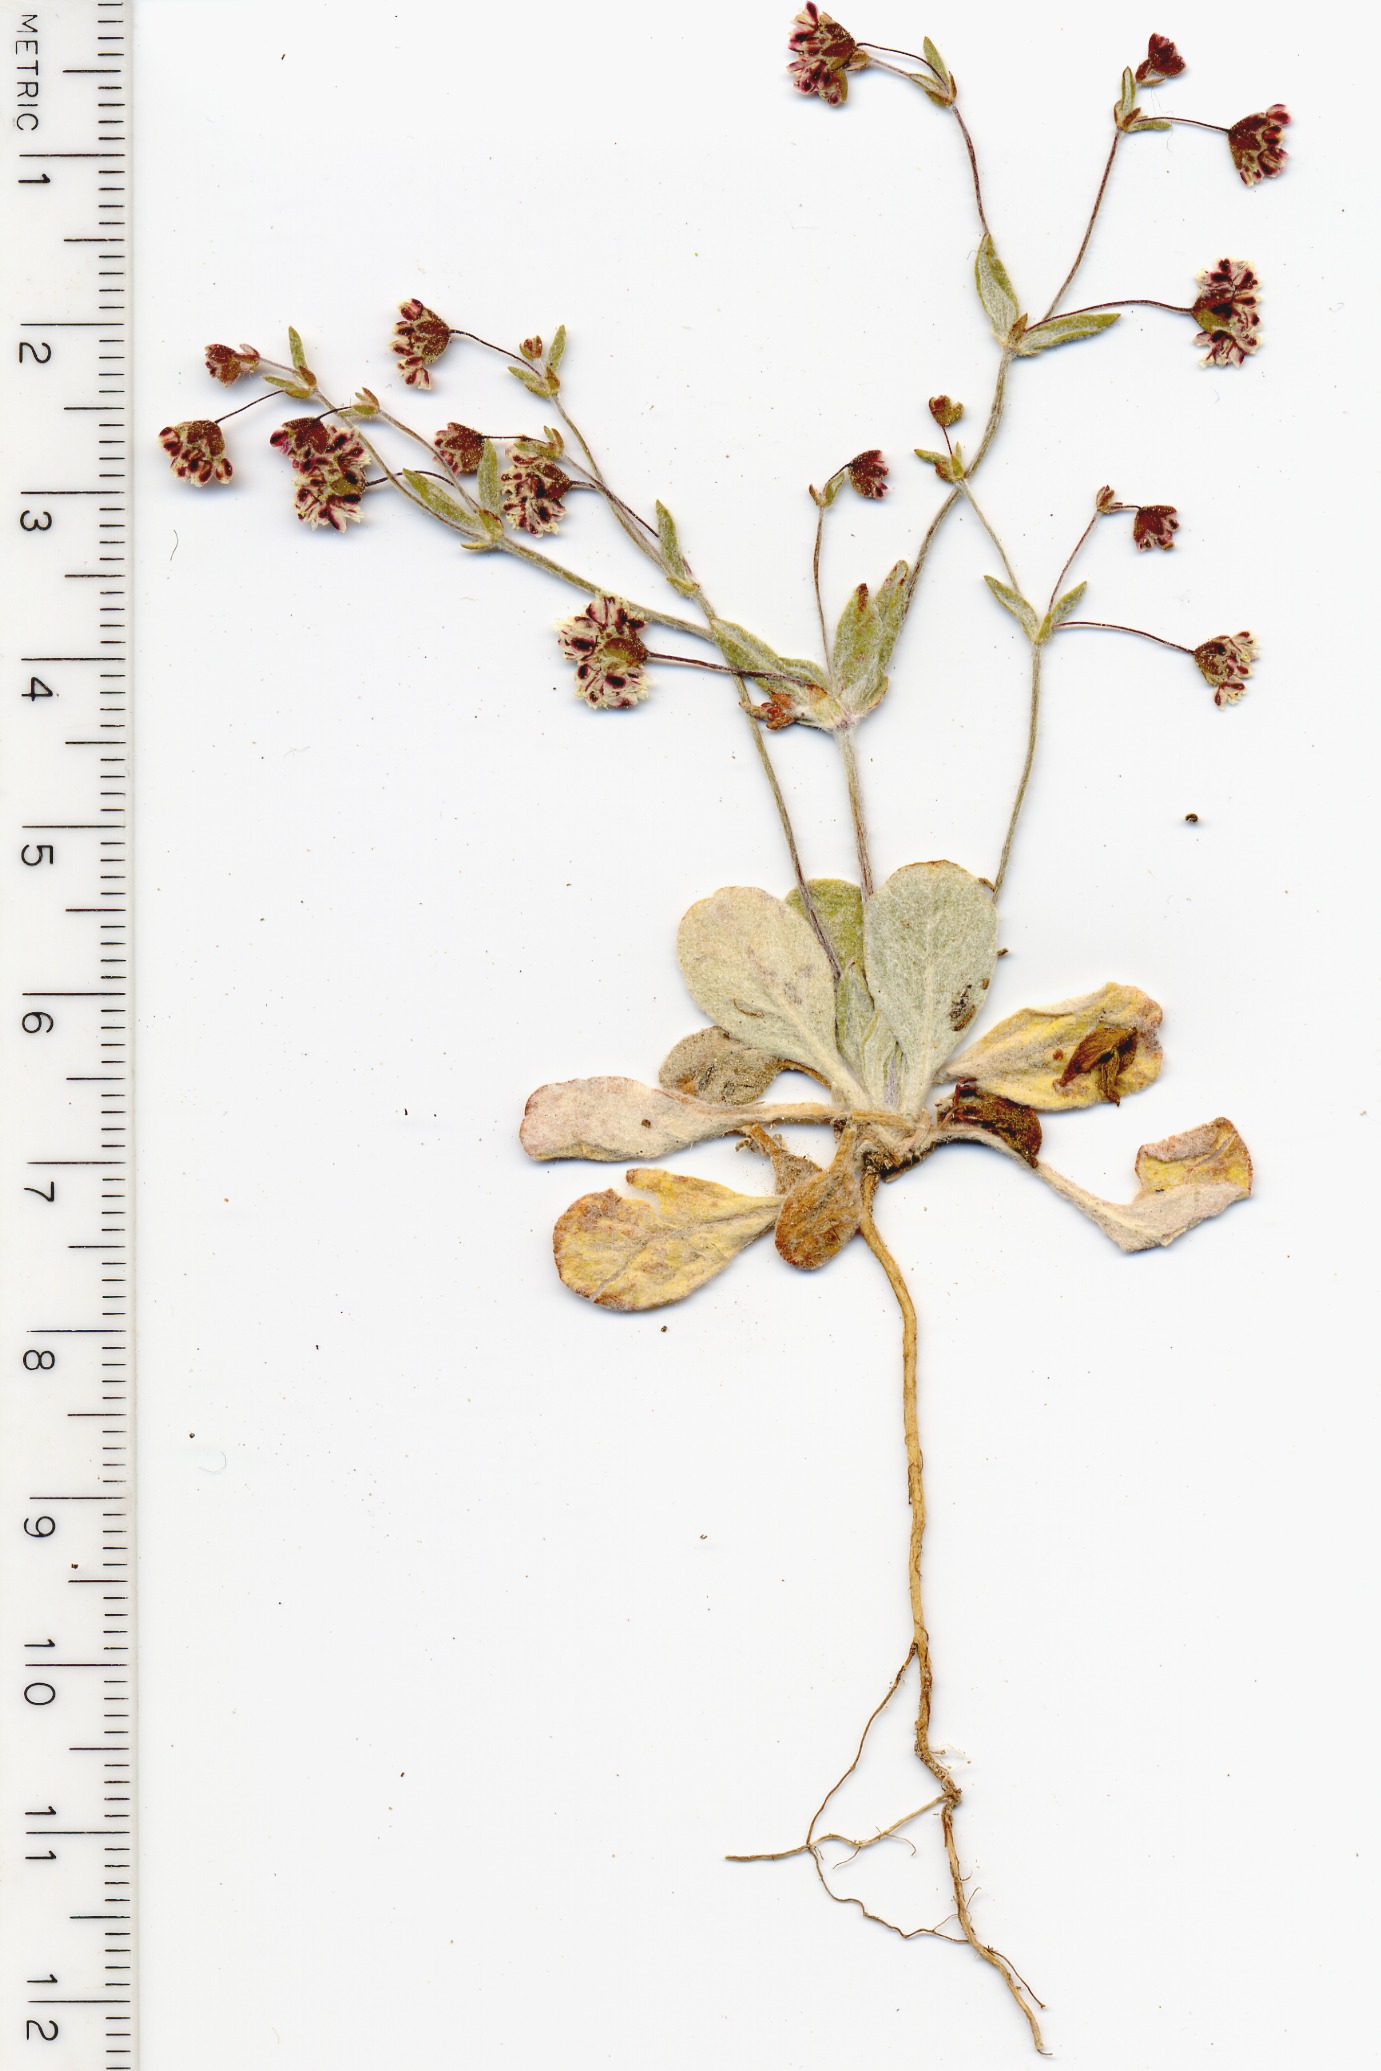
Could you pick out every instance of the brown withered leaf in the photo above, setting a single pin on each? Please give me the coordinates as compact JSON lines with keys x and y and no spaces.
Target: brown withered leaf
{"x":644,"y":1253}
{"x":1185,"y":1179}
{"x":714,"y":1066}
{"x":822,"y":1211}
{"x":1073,"y":1054}
{"x":788,"y":1166}
{"x":607,"y":1119}
{"x":973,"y":1107}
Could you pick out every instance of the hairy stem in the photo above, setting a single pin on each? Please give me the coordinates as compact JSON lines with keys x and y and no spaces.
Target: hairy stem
{"x":865,"y":867}
{"x":915,"y":1481}
{"x":1001,"y":549}
{"x":1078,"y":545}
{"x":973,"y":168}
{"x":994,"y":418}
{"x":1067,"y":282}
{"x":1020,"y":798}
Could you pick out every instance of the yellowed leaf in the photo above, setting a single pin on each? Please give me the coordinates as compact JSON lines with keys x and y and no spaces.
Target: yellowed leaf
{"x":607,"y":1119}
{"x":1185,"y":1179}
{"x":755,"y":967}
{"x":930,"y":943}
{"x":1098,"y":1047}
{"x":644,"y":1253}
{"x":714,"y":1066}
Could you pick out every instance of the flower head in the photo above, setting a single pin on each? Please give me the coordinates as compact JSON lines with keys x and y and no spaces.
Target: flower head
{"x":331,"y":462}
{"x":1161,"y":62}
{"x":1225,"y":664}
{"x":461,"y":448}
{"x":197,"y":451}
{"x":602,"y":641}
{"x":1155,"y":525}
{"x":532,"y":494}
{"x":945,"y":410}
{"x":1106,"y":500}
{"x":1255,"y":144}
{"x":419,"y":341}
{"x":822,"y":53}
{"x":1226,"y":313}
{"x":228,"y":365}
{"x":868,"y":474}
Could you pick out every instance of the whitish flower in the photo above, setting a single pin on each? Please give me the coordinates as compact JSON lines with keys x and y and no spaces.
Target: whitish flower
{"x":1226,"y":313}
{"x":419,"y":341}
{"x":602,"y":641}
{"x":1225,"y":662}
{"x":197,"y":451}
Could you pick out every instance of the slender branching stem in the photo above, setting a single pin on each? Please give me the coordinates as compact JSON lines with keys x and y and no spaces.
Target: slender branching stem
{"x":1031,"y":733}
{"x":1103,"y":625}
{"x":1188,"y":122}
{"x":915,"y":1481}
{"x":1001,"y":549}
{"x":865,"y":868}
{"x":1133,"y":302}
{"x":1066,"y":283}
{"x":252,"y":404}
{"x":642,"y":534}
{"x":1078,"y":545}
{"x":973,"y":167}
{"x":815,"y":574}
{"x":994,"y":418}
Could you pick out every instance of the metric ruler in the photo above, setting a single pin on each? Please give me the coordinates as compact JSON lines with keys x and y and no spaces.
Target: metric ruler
{"x":67,"y":1890}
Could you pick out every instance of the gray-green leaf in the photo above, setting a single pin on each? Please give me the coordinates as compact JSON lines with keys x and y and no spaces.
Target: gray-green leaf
{"x":299,"y":357}
{"x":864,"y":639}
{"x":839,"y":910}
{"x":444,"y":504}
{"x":1065,"y":330}
{"x":558,"y":349}
{"x":536,"y":384}
{"x":995,"y":290}
{"x":1017,"y":605}
{"x":930,"y":935}
{"x":744,"y":650}
{"x":675,"y":560}
{"x":487,"y":485}
{"x":1060,"y":611}
{"x":754,"y":967}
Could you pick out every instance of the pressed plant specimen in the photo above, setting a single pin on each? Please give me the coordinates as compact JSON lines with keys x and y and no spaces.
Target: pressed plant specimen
{"x":876,"y":988}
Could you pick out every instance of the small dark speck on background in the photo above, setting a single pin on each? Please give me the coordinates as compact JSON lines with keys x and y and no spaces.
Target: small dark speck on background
{"x":1192,"y":819}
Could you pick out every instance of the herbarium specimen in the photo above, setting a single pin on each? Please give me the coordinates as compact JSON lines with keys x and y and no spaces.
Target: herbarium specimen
{"x":875,"y":989}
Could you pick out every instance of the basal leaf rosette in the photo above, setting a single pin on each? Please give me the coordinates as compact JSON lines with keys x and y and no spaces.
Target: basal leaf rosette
{"x":873,"y":998}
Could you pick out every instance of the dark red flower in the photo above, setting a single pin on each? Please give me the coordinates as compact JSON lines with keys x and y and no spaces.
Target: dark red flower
{"x":1225,"y":664}
{"x":945,"y":410}
{"x":461,"y":448}
{"x":868,"y":474}
{"x":602,"y":641}
{"x":1106,"y":500}
{"x":1155,"y":525}
{"x":823,"y":52}
{"x":532,"y":494}
{"x":1255,"y":144}
{"x":228,"y":365}
{"x":1161,"y":62}
{"x":419,"y":341}
{"x":1226,"y":313}
{"x":197,"y":451}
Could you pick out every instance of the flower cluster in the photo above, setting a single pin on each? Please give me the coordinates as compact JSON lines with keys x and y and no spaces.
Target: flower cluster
{"x":197,"y":451}
{"x":1255,"y":144}
{"x":602,"y":641}
{"x":823,"y":53}
{"x":1155,"y":525}
{"x":461,"y":448}
{"x":1227,"y":313}
{"x":331,"y":463}
{"x":227,"y":365}
{"x":1161,"y":62}
{"x":867,"y":474}
{"x":419,"y":341}
{"x":1225,"y":663}
{"x":533,"y":488}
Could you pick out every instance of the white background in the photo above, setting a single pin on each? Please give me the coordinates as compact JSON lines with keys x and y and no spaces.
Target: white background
{"x":478,"y":1624}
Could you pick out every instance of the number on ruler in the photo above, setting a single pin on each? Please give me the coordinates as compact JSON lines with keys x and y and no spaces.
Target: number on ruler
{"x":42,"y":352}
{"x":39,"y":1362}
{"x":36,"y":1022}
{"x":39,"y":1527}
{"x":48,"y":1193}
{"x":37,"y":689}
{"x":29,"y":523}
{"x":47,"y":2030}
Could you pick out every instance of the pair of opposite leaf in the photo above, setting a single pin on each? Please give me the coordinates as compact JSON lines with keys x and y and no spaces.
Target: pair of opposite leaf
{"x":872,"y":999}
